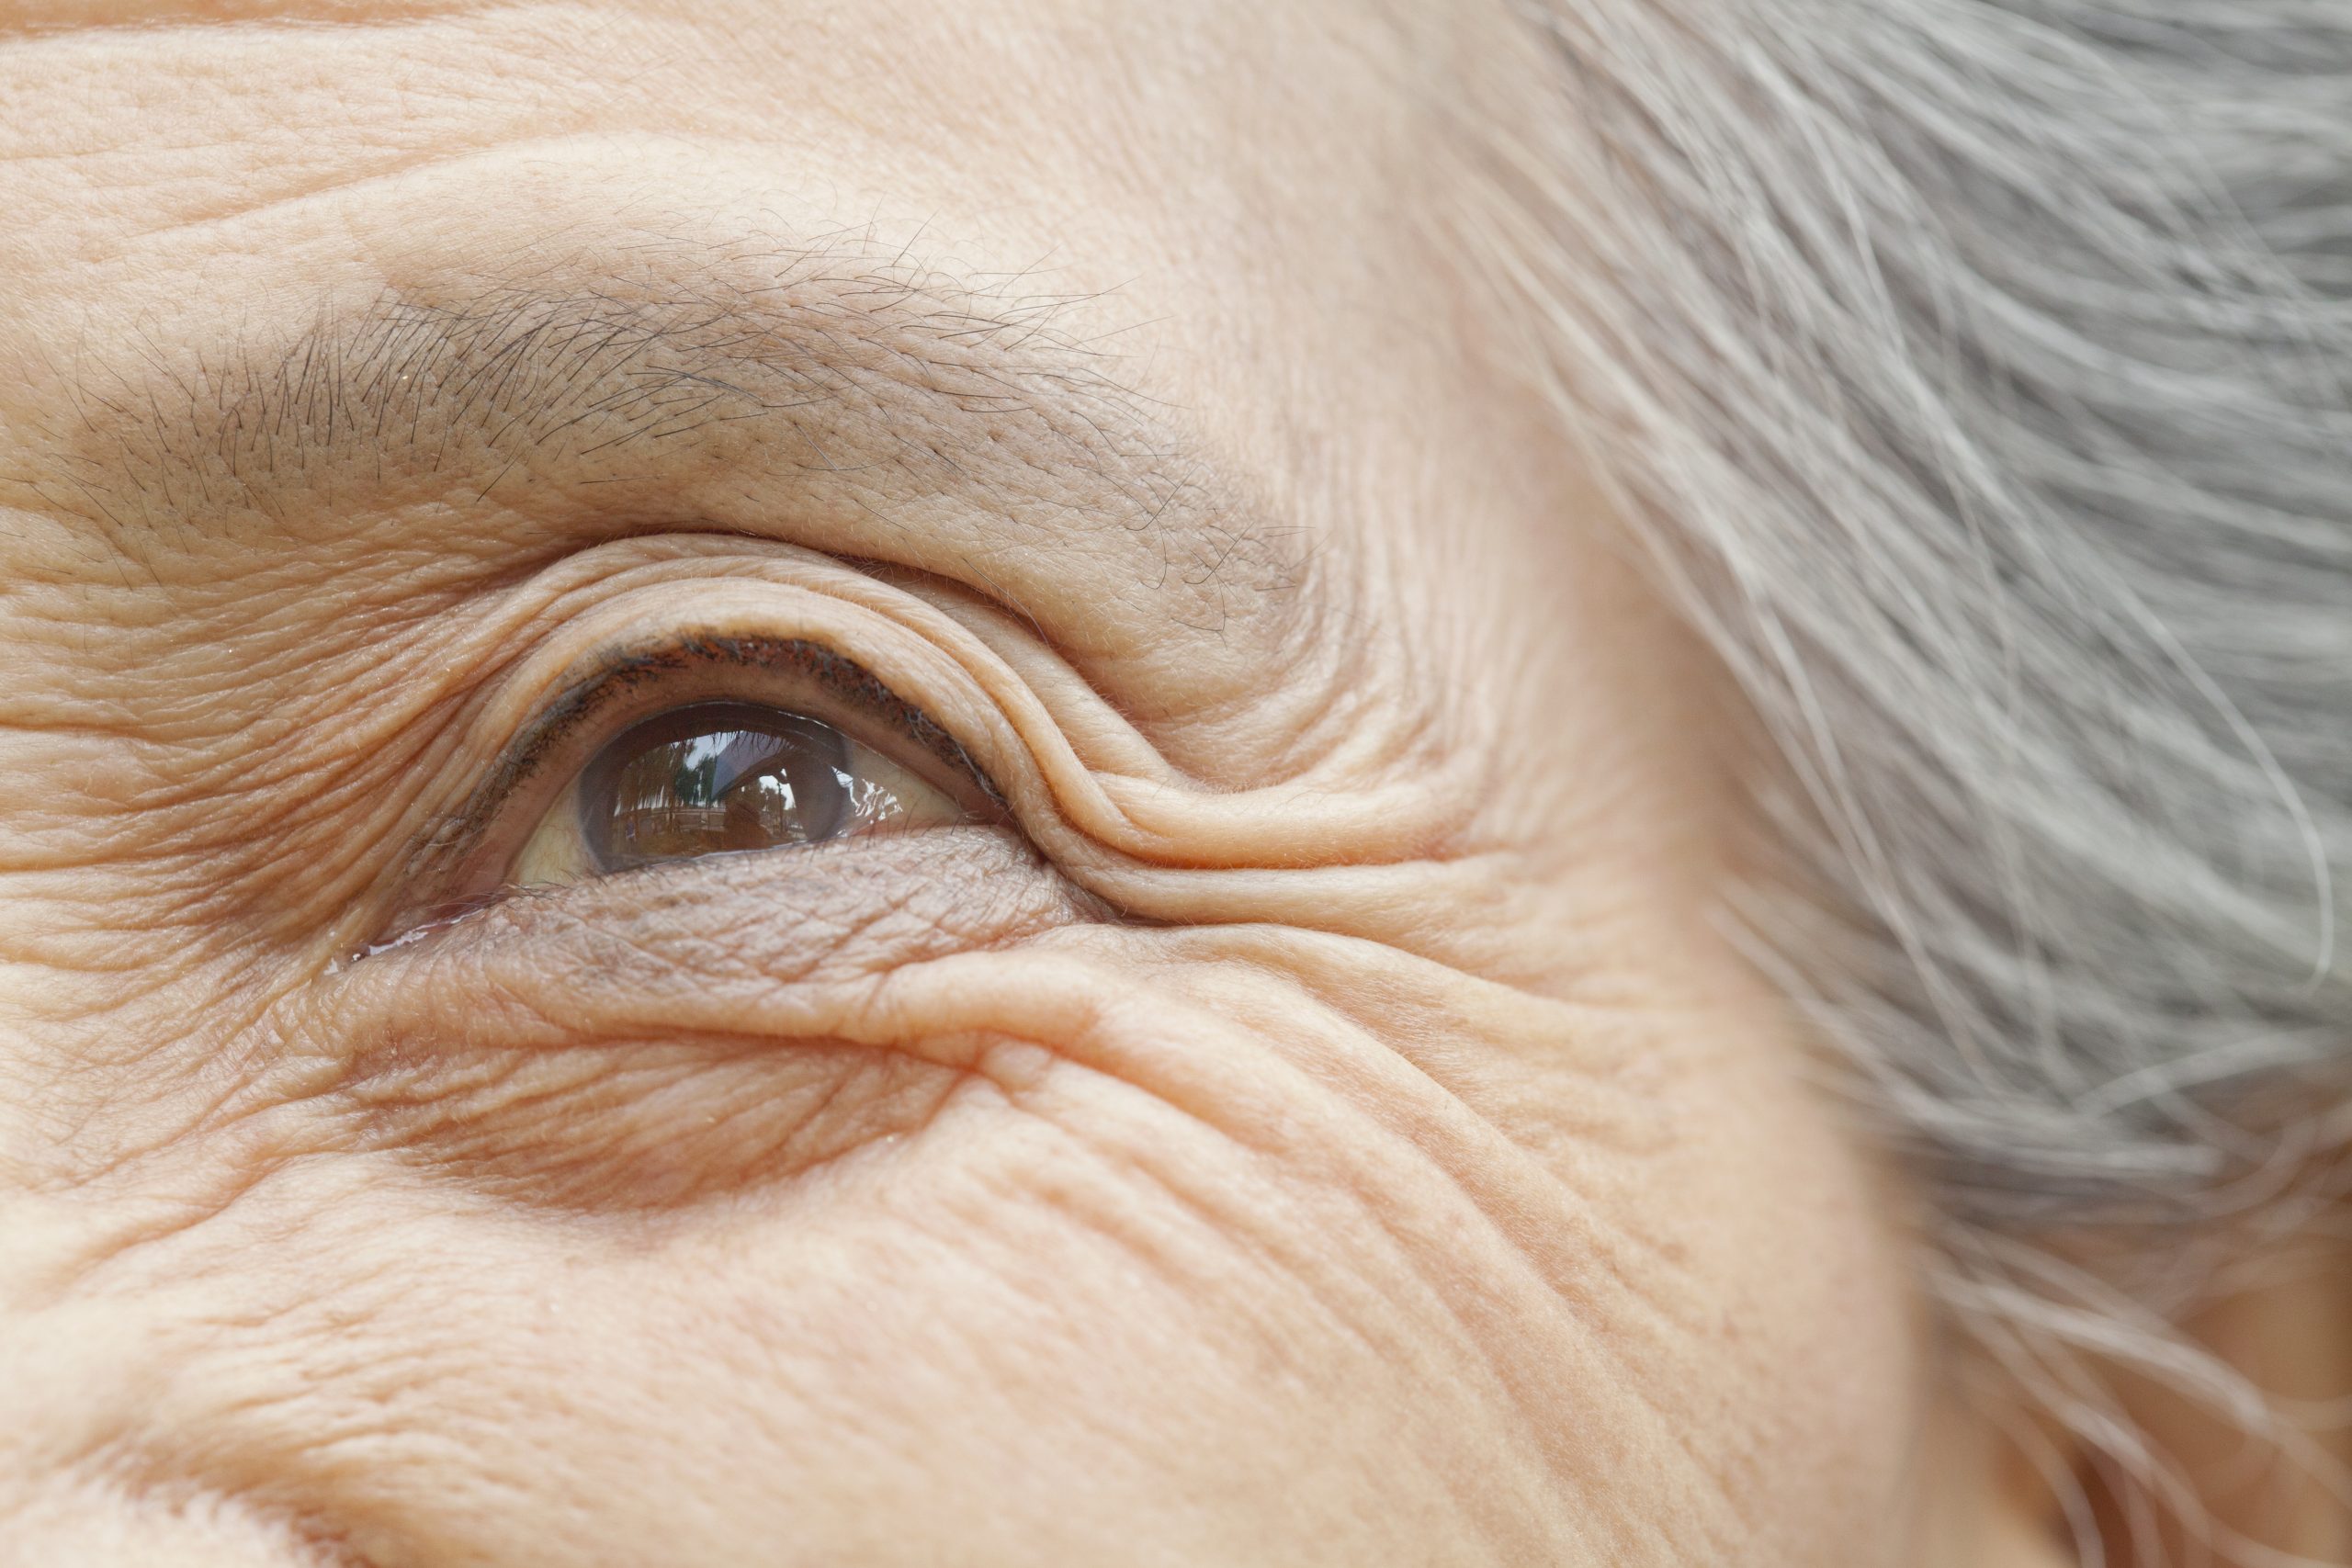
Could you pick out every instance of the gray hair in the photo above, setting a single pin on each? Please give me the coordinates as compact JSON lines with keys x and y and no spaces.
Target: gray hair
{"x":1978,"y":370}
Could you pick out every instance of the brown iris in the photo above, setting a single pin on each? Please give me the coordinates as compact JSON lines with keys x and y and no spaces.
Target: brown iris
{"x":714,"y":777}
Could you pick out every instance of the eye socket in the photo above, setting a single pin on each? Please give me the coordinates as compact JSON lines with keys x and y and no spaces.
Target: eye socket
{"x":720,"y":778}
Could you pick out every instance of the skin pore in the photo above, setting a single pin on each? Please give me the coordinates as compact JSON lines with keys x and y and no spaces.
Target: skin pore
{"x":1315,"y":1121}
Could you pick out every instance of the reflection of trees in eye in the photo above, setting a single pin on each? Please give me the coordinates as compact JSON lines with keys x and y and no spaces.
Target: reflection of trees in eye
{"x":758,"y":813}
{"x":691,"y":791}
{"x":697,"y":784}
{"x":726,"y":791}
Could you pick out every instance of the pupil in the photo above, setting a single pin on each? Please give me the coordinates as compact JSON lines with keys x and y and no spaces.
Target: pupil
{"x":714,"y":777}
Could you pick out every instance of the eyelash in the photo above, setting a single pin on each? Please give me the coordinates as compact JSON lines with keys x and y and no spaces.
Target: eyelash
{"x":873,"y":711}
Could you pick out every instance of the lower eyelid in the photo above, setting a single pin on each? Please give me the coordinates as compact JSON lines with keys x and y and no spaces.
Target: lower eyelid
{"x":655,"y":1124}
{"x":631,"y":1043}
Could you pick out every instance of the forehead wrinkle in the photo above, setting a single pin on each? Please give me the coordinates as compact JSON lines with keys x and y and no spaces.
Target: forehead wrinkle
{"x":50,"y":17}
{"x":877,"y":377}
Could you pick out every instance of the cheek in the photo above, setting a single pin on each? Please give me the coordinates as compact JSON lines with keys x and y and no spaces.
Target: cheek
{"x":1211,"y":1242}
{"x":1813,"y":1314}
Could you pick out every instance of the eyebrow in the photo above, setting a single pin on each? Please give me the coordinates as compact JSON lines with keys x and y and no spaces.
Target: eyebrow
{"x":873,"y":382}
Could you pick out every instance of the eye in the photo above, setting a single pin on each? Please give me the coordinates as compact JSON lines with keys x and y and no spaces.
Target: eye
{"x":722,"y":778}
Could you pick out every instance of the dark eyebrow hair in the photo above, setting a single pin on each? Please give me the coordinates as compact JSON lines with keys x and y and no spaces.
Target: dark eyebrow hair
{"x":879,"y":382}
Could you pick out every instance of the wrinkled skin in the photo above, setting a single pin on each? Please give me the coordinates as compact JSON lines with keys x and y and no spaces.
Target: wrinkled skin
{"x":1314,"y":1122}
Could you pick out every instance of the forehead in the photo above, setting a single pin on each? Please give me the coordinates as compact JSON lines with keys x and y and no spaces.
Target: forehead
{"x":1003,"y":274}
{"x":1194,"y":186}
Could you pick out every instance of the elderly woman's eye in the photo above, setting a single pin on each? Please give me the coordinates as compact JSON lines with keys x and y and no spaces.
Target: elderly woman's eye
{"x":719,"y":778}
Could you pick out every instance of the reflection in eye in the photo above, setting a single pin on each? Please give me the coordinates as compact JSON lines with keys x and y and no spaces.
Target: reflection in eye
{"x":721,"y":777}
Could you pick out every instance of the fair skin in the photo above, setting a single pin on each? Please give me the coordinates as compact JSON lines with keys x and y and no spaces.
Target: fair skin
{"x":1314,"y":1120}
